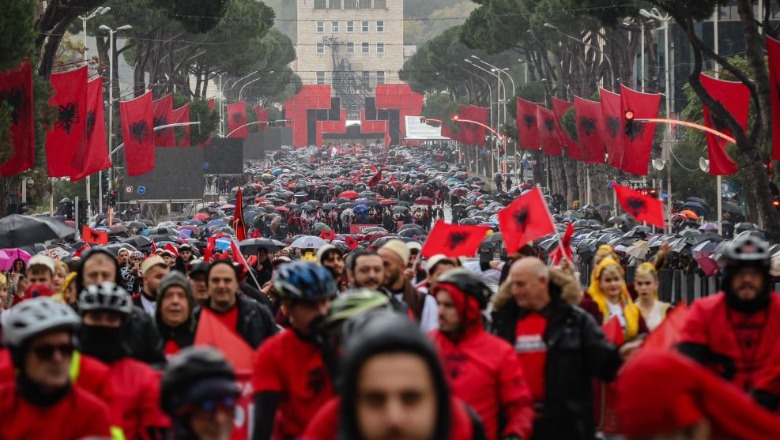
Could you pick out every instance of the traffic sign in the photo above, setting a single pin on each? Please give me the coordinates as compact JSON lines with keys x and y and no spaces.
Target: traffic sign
{"x":141,"y":190}
{"x":129,"y":189}
{"x":205,"y":165}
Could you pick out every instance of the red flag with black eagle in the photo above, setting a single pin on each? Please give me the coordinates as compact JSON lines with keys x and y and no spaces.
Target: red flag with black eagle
{"x":238,"y":216}
{"x":643,"y":208}
{"x":68,"y":135}
{"x":17,"y":92}
{"x":182,"y":114}
{"x":89,"y":235}
{"x":374,"y":181}
{"x":163,"y":115}
{"x":564,"y":246}
{"x":351,"y":242}
{"x":94,"y":156}
{"x":356,"y":178}
{"x":735,"y":97}
{"x":610,"y":112}
{"x":549,"y":137}
{"x":453,"y":240}
{"x":590,"y":125}
{"x":329,"y":235}
{"x":262,"y":117}
{"x":638,"y":143}
{"x":236,"y":114}
{"x":773,"y":55}
{"x":527,"y":129}
{"x":138,"y":134}
{"x":525,"y":220}
{"x":570,"y":147}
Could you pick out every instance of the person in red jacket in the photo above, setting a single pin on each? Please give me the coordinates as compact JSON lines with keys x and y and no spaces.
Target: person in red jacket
{"x":483,"y":369}
{"x":104,"y":308}
{"x":41,"y":403}
{"x":734,"y":331}
{"x":290,"y":379}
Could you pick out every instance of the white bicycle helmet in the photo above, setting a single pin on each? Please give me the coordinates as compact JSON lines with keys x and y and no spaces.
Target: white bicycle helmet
{"x":35,"y":316}
{"x":105,"y":296}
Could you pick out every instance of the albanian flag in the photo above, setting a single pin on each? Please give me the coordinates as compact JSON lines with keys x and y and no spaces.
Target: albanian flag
{"x":590,"y":123}
{"x":236,"y":114}
{"x":473,"y":134}
{"x":163,"y":115}
{"x":549,"y":137}
{"x":211,"y":103}
{"x":238,"y":216}
{"x":610,"y":111}
{"x":527,"y":128}
{"x":328,"y":235}
{"x":642,"y":208}
{"x":560,"y":107}
{"x":637,"y":145}
{"x":94,"y":156}
{"x":212,"y":332}
{"x":137,"y":117}
{"x":16,"y":91}
{"x":735,"y":97}
{"x":182,"y":114}
{"x":374,"y":181}
{"x":525,"y":220}
{"x":351,"y":242}
{"x":68,"y":135}
{"x":773,"y":53}
{"x":613,"y":331}
{"x":453,"y":240}
{"x":89,"y":235}
{"x":262,"y":116}
{"x":564,"y":247}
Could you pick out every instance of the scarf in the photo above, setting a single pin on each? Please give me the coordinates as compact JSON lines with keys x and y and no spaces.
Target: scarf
{"x":630,"y":310}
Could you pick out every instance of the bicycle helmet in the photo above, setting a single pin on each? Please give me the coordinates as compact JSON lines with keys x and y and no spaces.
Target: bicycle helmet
{"x":197,"y":373}
{"x":304,"y":281}
{"x":105,"y":296}
{"x":468,"y":283}
{"x":747,"y":249}
{"x":354,"y":302}
{"x":35,"y":316}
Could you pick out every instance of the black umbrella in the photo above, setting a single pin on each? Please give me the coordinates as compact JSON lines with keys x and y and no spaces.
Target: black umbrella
{"x":21,"y":230}
{"x":252,"y":245}
{"x":138,"y":241}
{"x":732,"y":208}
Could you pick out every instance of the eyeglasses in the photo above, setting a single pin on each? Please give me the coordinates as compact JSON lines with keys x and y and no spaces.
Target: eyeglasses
{"x":46,"y":352}
{"x":227,"y":403}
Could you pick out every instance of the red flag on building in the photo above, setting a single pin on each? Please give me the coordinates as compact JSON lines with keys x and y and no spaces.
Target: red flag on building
{"x":610,"y":111}
{"x":549,"y":137}
{"x":564,"y":247}
{"x":590,"y":126}
{"x":453,"y":240}
{"x":138,"y":134}
{"x":17,"y":92}
{"x":374,"y":181}
{"x":236,"y":114}
{"x":638,"y":143}
{"x":525,"y":220}
{"x":735,"y":97}
{"x":262,"y":116}
{"x":68,"y":135}
{"x":238,"y":216}
{"x":560,"y":107}
{"x":163,"y":115}
{"x":89,"y":235}
{"x":182,"y":114}
{"x":773,"y":54}
{"x":643,"y":208}
{"x":527,"y":129}
{"x":212,"y":332}
{"x":94,"y":156}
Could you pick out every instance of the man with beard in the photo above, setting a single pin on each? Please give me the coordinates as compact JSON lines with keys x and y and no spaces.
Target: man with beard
{"x":104,"y":308}
{"x":332,"y":258}
{"x":734,"y":331}
{"x":184,"y":260}
{"x":395,"y":257}
{"x":153,"y":270}
{"x":365,"y":269}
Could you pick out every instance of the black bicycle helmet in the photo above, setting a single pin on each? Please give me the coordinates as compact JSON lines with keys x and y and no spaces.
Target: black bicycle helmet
{"x":195,"y":374}
{"x":105,"y":296}
{"x":304,"y":281}
{"x":747,"y":249}
{"x":468,"y":283}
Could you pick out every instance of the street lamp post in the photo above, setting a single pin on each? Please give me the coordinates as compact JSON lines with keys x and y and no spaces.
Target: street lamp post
{"x":506,"y":101}
{"x":592,"y":46}
{"x":490,"y":96}
{"x":501,"y":95}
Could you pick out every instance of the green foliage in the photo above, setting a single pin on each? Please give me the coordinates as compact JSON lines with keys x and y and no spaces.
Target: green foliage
{"x":442,"y":106}
{"x":196,"y":16}
{"x":17,"y":32}
{"x":569,"y":122}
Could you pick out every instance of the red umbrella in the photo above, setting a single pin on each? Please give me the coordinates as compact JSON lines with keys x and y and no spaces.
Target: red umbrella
{"x":427,"y":201}
{"x":388,"y":202}
{"x":202,"y":216}
{"x":282,"y":209}
{"x":349,"y":194}
{"x":708,"y":266}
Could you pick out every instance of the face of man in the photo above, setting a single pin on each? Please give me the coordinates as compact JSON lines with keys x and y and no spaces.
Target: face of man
{"x":747,"y":283}
{"x":39,"y":275}
{"x":369,"y":272}
{"x":199,"y":288}
{"x":396,"y":398}
{"x":394,"y":267}
{"x":47,"y":361}
{"x":185,"y":254}
{"x":102,"y":318}
{"x":222,"y":284}
{"x":334,"y":262}
{"x":449,"y":320}
{"x":123,"y":256}
{"x":213,"y":420}
{"x":439,"y":270}
{"x":98,"y":269}
{"x":529,"y":284}
{"x":169,"y":259}
{"x":262,"y":255}
{"x":302,"y":314}
{"x":152,"y":278}
{"x":174,"y":307}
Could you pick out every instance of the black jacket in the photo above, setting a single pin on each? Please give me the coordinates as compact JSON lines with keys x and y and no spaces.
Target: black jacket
{"x":576,"y":351}
{"x":255,"y":322}
{"x":142,"y":339}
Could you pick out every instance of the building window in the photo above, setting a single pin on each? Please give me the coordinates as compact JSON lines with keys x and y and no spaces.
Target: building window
{"x":350,"y":26}
{"x":336,"y":4}
{"x":350,"y":4}
{"x":353,"y":112}
{"x":320,"y":27}
{"x":350,"y":47}
{"x":366,"y":78}
{"x":380,"y":4}
{"x":364,"y":26}
{"x":364,"y":4}
{"x":380,"y":47}
{"x":380,"y":26}
{"x":321,"y":77}
{"x":320,"y":48}
{"x":380,"y":76}
{"x":334,"y":27}
{"x":319,"y":4}
{"x":366,"y":49}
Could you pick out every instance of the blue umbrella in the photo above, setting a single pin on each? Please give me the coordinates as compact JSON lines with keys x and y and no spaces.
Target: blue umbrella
{"x":328,"y":206}
{"x":360,"y":209}
{"x":193,"y":223}
{"x":217,"y":223}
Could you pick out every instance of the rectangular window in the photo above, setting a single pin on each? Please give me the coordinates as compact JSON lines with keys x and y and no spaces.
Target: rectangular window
{"x":380,"y":4}
{"x":321,"y":77}
{"x":364,"y":26}
{"x":319,"y":4}
{"x":320,"y":48}
{"x":335,"y":4}
{"x":366,"y":78}
{"x":366,"y":49}
{"x":334,"y":27}
{"x":380,"y":26}
{"x":380,"y":76}
{"x":350,"y":47}
{"x":380,"y":47}
{"x":350,"y":26}
{"x":350,"y":4}
{"x":320,"y":27}
{"x":364,"y":4}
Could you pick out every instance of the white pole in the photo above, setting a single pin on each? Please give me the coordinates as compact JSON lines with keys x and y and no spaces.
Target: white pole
{"x":718,"y":179}
{"x":668,"y":131}
{"x":84,"y":23}
{"x":110,"y":110}
{"x":642,"y":60}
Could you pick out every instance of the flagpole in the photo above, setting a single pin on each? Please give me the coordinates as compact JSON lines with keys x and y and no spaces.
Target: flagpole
{"x":246,"y":264}
{"x":552,"y":221}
